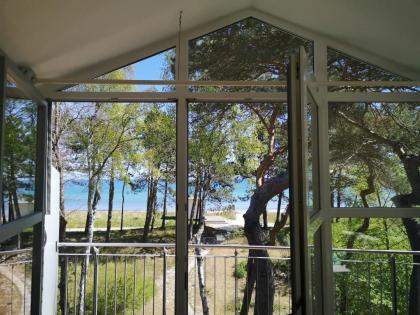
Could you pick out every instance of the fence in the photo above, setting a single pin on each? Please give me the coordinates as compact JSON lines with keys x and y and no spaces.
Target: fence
{"x":140,"y":279}
{"x":15,"y":281}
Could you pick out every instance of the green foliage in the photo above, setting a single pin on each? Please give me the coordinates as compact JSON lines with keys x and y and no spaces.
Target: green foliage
{"x":240,"y":270}
{"x":111,"y":285}
{"x":246,"y":50}
{"x":19,"y":154}
{"x":367,"y":284}
{"x":361,"y":134}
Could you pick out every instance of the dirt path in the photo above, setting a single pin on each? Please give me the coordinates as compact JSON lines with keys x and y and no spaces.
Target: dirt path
{"x":15,"y":294}
{"x":155,"y":305}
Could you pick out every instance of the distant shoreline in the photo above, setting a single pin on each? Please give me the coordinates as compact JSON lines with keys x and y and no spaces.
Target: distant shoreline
{"x":160,"y":211}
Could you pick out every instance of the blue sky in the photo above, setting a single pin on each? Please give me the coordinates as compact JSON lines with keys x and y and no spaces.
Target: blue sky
{"x":151,"y":68}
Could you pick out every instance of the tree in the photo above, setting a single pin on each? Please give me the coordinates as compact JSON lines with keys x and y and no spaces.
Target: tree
{"x":254,"y":50}
{"x":62,"y":119}
{"x":19,"y":157}
{"x":98,"y":133}
{"x":394,"y":128}
{"x":386,"y":133}
{"x":158,"y":143}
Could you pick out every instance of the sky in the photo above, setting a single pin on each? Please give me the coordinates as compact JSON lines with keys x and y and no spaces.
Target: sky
{"x":150,"y":68}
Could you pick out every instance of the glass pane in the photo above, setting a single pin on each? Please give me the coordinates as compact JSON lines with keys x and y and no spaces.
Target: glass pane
{"x":312,"y":158}
{"x":127,"y":152}
{"x":117,"y":162}
{"x":157,"y":67}
{"x":16,"y":272}
{"x":238,"y":168}
{"x":342,"y":67}
{"x":374,"y":154}
{"x":246,"y":50}
{"x":19,"y":159}
{"x":376,"y":264}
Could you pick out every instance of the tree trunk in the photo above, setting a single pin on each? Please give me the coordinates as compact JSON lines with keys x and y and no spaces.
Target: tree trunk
{"x":249,"y":285}
{"x":63,"y":266}
{"x":254,"y":233}
{"x":154,"y":206}
{"x":280,"y":223}
{"x":17,"y":214}
{"x":11,"y":211}
{"x":265,"y":220}
{"x":151,"y":198}
{"x":412,"y":226}
{"x":93,"y":199}
{"x":110,"y":204}
{"x":16,"y":207}
{"x":164,"y":212}
{"x":201,"y":283}
{"x":200,"y":266}
{"x":193,"y":210}
{"x":3,"y":211}
{"x":122,"y":206}
{"x":62,"y":237}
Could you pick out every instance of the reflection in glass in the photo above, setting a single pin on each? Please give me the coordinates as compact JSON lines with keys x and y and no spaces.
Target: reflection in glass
{"x":246,"y":50}
{"x":374,"y":154}
{"x":19,"y":159}
{"x":364,"y":279}
{"x":342,"y":67}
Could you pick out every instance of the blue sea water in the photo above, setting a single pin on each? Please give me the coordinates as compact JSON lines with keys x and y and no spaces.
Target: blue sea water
{"x":75,"y":197}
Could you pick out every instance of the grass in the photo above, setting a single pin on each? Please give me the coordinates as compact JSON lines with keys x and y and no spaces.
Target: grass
{"x":116,"y":284}
{"x":135,"y":219}
{"x":77,"y":219}
{"x":126,"y":236}
{"x":231,"y":215}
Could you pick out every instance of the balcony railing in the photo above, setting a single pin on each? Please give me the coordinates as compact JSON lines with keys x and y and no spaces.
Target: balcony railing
{"x":15,"y":281}
{"x":140,"y":279}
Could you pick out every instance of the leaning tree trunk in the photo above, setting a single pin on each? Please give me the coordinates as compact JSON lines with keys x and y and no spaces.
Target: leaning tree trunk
{"x":193,"y":210}
{"x":110,"y":205}
{"x":260,"y":271}
{"x":412,"y":227}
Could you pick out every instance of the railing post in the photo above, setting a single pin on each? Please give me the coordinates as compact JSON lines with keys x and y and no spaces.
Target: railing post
{"x":66,"y":281}
{"x":164,"y":283}
{"x":393,"y":284}
{"x":236,"y":282}
{"x":95,"y":280}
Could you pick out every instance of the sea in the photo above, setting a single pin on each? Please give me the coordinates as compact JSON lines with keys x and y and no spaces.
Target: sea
{"x":75,"y":197}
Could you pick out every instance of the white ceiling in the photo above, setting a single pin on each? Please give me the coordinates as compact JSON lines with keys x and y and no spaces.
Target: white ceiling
{"x":57,"y":38}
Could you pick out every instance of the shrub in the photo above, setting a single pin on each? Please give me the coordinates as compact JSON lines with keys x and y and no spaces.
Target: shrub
{"x":240,"y":270}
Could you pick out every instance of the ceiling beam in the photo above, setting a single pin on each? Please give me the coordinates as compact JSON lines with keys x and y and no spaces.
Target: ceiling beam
{"x":22,"y":82}
{"x":391,"y":97}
